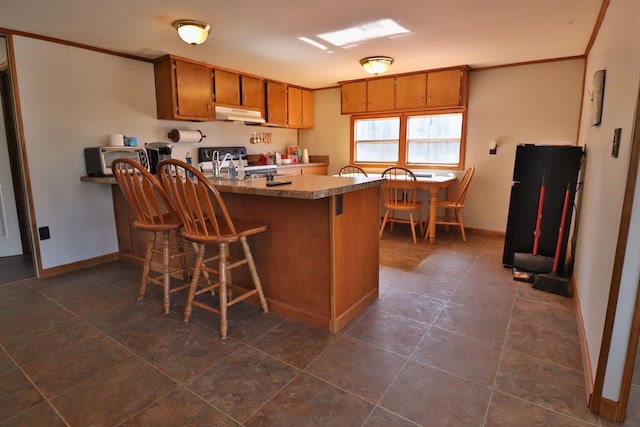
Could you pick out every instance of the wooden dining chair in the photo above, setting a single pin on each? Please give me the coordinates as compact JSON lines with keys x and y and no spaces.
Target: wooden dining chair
{"x":155,"y":214}
{"x":455,"y":204}
{"x":352,"y":170}
{"x":206,"y":222}
{"x":400,"y":192}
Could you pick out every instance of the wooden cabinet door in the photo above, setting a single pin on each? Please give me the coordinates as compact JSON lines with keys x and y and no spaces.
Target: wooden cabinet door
{"x":307,"y":108}
{"x":193,"y":90}
{"x":227,"y":87}
{"x":276,"y":104}
{"x":381,"y":94}
{"x":314,"y":170}
{"x":252,"y":93}
{"x":443,"y":88}
{"x":411,"y":91}
{"x":354,"y":97}
{"x":294,"y":107}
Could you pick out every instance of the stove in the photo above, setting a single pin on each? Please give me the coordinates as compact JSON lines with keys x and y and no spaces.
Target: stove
{"x":205,"y":158}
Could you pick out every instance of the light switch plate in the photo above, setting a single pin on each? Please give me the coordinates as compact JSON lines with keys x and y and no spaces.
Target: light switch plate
{"x":616,"y":142}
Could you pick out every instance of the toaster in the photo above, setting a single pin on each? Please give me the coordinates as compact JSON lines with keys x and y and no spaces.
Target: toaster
{"x":98,"y":159}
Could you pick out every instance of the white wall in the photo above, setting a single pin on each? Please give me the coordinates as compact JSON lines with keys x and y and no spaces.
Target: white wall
{"x":523,"y":104}
{"x":617,"y":49}
{"x":72,"y":98}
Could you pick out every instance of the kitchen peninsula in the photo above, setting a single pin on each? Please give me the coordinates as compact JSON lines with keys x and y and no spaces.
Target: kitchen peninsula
{"x":318,"y":260}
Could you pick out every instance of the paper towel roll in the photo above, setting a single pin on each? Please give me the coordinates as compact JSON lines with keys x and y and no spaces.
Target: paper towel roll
{"x":177,"y":135}
{"x":116,"y":140}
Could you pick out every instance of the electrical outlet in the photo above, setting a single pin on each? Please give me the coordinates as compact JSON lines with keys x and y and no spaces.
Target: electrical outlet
{"x":44,"y":233}
{"x":616,"y":142}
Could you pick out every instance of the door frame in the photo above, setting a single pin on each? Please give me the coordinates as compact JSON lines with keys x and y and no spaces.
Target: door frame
{"x":22,"y":184}
{"x":601,"y":406}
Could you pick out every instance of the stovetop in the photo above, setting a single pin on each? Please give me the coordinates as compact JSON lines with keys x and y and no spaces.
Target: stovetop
{"x":205,"y":154}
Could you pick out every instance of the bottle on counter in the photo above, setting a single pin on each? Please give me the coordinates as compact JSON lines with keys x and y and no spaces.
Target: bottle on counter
{"x":189,"y":160}
{"x":231,"y":170}
{"x":241,"y":169}
{"x":278,"y":159}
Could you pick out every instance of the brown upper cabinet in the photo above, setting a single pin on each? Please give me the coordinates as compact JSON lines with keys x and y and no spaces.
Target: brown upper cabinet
{"x":411,"y":91}
{"x":444,"y":88}
{"x":276,"y":104}
{"x":252,"y":90}
{"x":421,"y":90}
{"x":354,"y":97}
{"x":226,"y":87}
{"x":183,"y":89}
{"x":188,"y":90}
{"x":299,"y":107}
{"x":368,"y":95}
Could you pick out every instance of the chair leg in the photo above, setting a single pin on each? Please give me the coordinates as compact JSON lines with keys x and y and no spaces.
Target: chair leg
{"x":420,"y":222}
{"x":166,"y":273}
{"x":254,"y":273}
{"x":222,"y":268}
{"x":461,"y":225}
{"x":384,"y":222}
{"x":413,"y":227}
{"x":147,"y":265}
{"x":194,"y":280}
{"x":180,"y":244}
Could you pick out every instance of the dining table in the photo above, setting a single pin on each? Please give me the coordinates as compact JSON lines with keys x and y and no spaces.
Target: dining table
{"x":433,"y":184}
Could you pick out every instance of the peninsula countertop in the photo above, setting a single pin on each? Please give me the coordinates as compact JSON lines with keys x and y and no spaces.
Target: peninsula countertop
{"x":301,"y":187}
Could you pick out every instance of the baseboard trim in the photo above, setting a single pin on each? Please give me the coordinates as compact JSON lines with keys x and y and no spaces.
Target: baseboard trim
{"x":78,"y":265}
{"x":608,"y":409}
{"x":482,"y":232}
{"x":584,"y":346}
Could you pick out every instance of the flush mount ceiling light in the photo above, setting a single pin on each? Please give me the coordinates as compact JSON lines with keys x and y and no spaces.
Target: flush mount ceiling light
{"x":376,"y":64}
{"x":192,"y":32}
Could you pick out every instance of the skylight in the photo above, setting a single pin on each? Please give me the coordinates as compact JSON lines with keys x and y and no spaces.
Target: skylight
{"x":359,"y":33}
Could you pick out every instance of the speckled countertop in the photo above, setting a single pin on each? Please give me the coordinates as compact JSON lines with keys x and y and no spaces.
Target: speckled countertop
{"x":301,"y":187}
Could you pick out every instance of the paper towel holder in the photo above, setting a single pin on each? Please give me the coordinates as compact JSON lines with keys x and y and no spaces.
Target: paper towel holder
{"x":174,"y":135}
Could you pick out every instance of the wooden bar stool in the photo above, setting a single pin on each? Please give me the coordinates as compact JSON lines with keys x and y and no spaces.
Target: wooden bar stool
{"x":155,"y":214}
{"x":207,"y":222}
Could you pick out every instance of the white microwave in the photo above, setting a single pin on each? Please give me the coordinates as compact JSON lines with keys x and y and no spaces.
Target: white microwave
{"x":98,"y":159}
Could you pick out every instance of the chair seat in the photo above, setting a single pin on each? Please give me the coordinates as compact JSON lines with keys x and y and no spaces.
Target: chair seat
{"x":167,"y":222}
{"x":398,"y":206}
{"x":243,"y":228}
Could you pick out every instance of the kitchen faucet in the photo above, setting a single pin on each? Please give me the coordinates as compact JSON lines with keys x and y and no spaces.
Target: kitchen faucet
{"x":217,"y":164}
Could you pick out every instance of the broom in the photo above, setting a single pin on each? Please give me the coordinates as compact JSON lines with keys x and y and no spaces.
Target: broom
{"x":533,"y":262}
{"x":552,"y":282}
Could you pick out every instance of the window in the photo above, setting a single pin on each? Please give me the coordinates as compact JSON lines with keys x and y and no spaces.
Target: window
{"x":415,"y":140}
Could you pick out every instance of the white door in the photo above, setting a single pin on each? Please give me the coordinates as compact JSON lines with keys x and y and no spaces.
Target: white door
{"x":10,"y":242}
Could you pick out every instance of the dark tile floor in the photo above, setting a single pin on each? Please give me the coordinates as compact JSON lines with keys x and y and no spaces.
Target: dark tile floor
{"x":452,"y":341}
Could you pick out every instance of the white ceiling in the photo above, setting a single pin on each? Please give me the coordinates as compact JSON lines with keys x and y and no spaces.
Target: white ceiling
{"x":261,"y":36}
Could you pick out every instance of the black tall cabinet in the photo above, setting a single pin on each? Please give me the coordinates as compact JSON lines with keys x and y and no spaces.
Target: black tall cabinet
{"x":560,"y":165}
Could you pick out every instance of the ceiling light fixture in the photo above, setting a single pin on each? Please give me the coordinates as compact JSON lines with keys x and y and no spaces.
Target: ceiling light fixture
{"x":192,"y":32}
{"x":376,"y":64}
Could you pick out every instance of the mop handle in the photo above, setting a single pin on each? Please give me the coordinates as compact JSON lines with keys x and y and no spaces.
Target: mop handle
{"x":536,"y":237}
{"x":562,"y":220}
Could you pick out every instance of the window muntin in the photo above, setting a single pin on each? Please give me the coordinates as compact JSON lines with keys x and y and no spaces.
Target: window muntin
{"x":434,"y":140}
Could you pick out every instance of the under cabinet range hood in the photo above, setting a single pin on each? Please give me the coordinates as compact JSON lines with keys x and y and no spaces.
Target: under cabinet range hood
{"x":231,"y":114}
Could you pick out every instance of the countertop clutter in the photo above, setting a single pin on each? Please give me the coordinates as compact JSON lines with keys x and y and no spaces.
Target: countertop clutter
{"x":301,"y":187}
